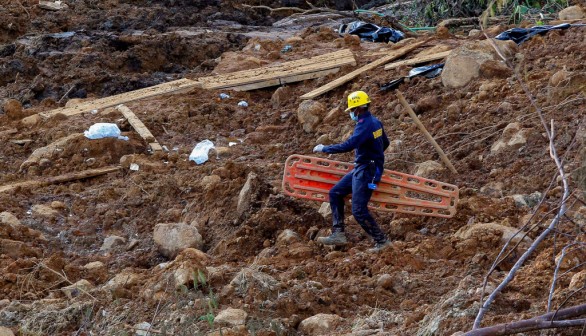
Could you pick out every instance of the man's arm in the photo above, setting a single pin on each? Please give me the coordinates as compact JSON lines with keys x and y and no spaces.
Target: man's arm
{"x":358,"y":137}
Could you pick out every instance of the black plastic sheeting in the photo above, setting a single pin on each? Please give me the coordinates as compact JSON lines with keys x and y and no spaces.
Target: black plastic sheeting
{"x":429,"y":71}
{"x":520,"y":35}
{"x":371,"y":32}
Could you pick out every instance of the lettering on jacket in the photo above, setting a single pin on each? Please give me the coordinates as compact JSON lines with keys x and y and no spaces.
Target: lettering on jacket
{"x":378,"y":133}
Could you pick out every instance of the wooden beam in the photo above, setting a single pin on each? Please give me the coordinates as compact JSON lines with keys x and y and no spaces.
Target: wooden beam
{"x":136,"y":123}
{"x":156,"y":147}
{"x":423,"y":130}
{"x":60,"y":179}
{"x":280,"y":73}
{"x":348,"y":77}
{"x":177,"y":86}
{"x":417,"y":60}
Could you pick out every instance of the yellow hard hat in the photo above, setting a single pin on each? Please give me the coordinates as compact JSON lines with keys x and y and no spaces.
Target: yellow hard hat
{"x":357,"y":98}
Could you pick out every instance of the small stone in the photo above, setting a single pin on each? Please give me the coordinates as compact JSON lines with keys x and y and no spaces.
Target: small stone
{"x":31,"y":120}
{"x":9,"y":219}
{"x":578,"y":281}
{"x":142,"y":329}
{"x":94,"y":265}
{"x":172,"y":238}
{"x":320,"y":324}
{"x":44,"y":211}
{"x":429,"y":168}
{"x":288,"y":237}
{"x":81,"y":287}
{"x":111,"y":242}
{"x":6,"y":332}
{"x":325,"y":209}
{"x":281,"y":96}
{"x":231,"y":316}
{"x":58,"y":205}
{"x":385,"y":281}
{"x":475,"y":33}
{"x":209,"y":182}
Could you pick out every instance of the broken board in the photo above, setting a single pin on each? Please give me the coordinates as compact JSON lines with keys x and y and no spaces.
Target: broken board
{"x":312,"y":178}
{"x":279,"y":74}
{"x":417,"y":60}
{"x":136,"y":123}
{"x":177,"y":86}
{"x":348,"y":77}
{"x":59,"y":179}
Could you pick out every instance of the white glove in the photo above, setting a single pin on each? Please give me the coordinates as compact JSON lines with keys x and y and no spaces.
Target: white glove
{"x":318,"y":148}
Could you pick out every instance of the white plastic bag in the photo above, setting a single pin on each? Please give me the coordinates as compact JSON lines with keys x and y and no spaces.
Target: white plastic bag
{"x":200,"y":153}
{"x":104,"y":130}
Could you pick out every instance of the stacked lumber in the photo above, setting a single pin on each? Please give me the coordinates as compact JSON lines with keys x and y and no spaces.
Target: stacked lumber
{"x":279,"y":74}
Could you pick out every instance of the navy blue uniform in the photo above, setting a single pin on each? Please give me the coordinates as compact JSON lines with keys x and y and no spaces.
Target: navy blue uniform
{"x":369,"y":141}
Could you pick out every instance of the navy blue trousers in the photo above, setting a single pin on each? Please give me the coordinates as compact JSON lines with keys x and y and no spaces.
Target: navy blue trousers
{"x":356,"y":182}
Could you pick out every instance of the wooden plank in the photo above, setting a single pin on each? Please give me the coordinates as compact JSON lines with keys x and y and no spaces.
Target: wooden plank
{"x":284,"y":80}
{"x":348,"y":77}
{"x":418,"y":60}
{"x":288,"y":69}
{"x":60,"y":179}
{"x":329,"y":58}
{"x":136,"y":123}
{"x":177,"y":86}
{"x":156,"y":147}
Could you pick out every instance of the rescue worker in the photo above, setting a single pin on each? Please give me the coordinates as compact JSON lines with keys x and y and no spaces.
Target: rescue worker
{"x":369,"y":141}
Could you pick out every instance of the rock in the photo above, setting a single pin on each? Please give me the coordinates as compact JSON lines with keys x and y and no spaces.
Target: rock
{"x":429,"y":168}
{"x":572,"y":13}
{"x":31,"y":121}
{"x":111,"y":242}
{"x":395,"y":146}
{"x":13,"y":109}
{"x":493,"y":189}
{"x":44,"y":211}
{"x":475,"y":33}
{"x":310,"y":114}
{"x":142,"y":329}
{"x":6,"y":332}
{"x":320,"y":324}
{"x":58,"y":205}
{"x":50,"y":150}
{"x":569,"y":261}
{"x":52,"y":6}
{"x":209,"y":182}
{"x":192,"y":268}
{"x":94,"y":265}
{"x":385,"y":281}
{"x":125,"y":279}
{"x":481,"y":231}
{"x":81,"y":287}
{"x":324,"y":139}
{"x":245,"y":194}
{"x":559,"y":77}
{"x":4,"y":303}
{"x":17,"y":249}
{"x":9,"y":219}
{"x":578,"y":281}
{"x":476,"y":59}
{"x":231,"y":317}
{"x":280,"y":96}
{"x":222,"y":152}
{"x":332,"y":114}
{"x":428,"y":103}
{"x":250,"y":278}
{"x":325,"y":210}
{"x":530,"y":200}
{"x":513,"y":137}
{"x":171,"y":238}
{"x":288,"y":237}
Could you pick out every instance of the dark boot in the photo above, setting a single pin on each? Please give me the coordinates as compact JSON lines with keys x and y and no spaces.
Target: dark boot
{"x":336,"y":239}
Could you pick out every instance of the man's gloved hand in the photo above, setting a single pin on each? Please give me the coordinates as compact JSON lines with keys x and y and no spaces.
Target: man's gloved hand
{"x":318,"y":148}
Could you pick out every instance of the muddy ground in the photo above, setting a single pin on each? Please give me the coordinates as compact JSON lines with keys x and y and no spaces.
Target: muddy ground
{"x":428,"y":283}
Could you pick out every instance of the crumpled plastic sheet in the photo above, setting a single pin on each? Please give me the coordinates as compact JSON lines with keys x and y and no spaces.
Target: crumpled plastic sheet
{"x":371,"y":32}
{"x":200,"y":153}
{"x":429,"y":71}
{"x":520,"y":35}
{"x":104,"y":130}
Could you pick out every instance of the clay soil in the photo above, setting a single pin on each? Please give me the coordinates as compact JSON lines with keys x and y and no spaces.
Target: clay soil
{"x":434,"y":278}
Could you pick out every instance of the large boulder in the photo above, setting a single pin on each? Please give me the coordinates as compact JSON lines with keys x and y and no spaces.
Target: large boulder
{"x":172,"y":238}
{"x":310,"y":113}
{"x":476,"y":59}
{"x":320,"y":324}
{"x":572,"y":13}
{"x":475,"y":234}
{"x":6,"y":218}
